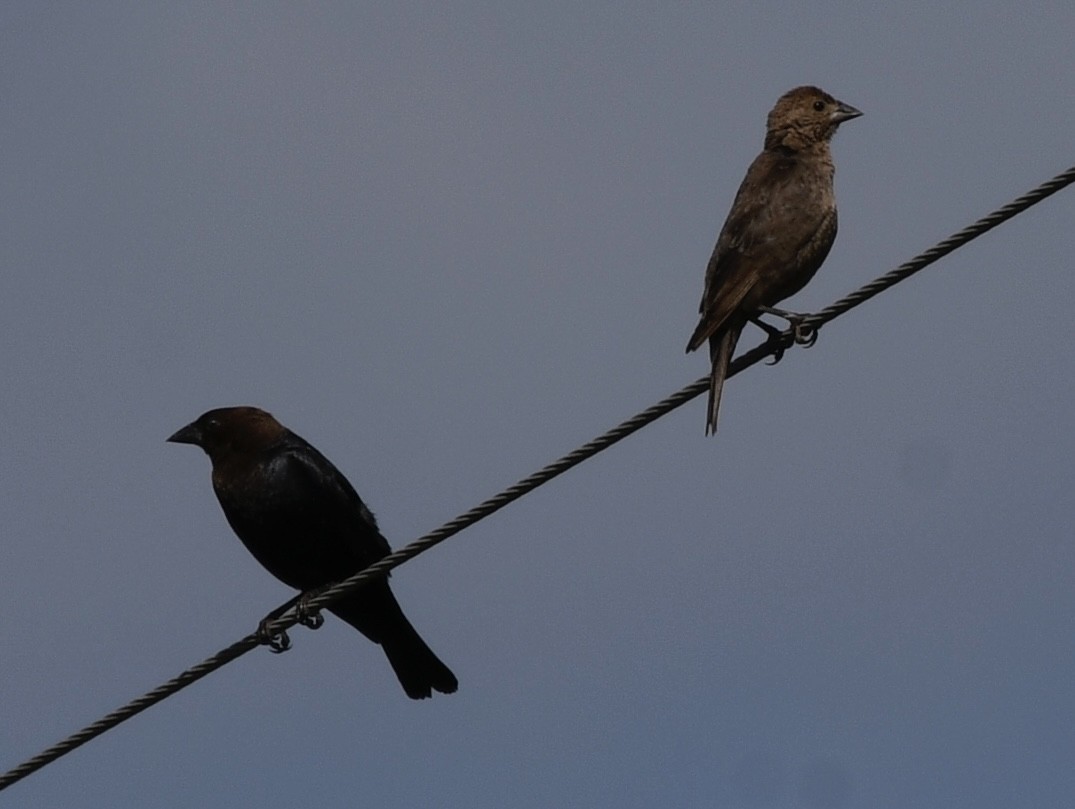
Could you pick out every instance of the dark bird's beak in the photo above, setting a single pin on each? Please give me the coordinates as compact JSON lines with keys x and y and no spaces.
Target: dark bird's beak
{"x":844,"y":112}
{"x":191,"y":434}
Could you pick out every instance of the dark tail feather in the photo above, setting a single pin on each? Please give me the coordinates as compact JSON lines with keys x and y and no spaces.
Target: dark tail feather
{"x":375,"y":613}
{"x":721,"y":348}
{"x":418,"y":669}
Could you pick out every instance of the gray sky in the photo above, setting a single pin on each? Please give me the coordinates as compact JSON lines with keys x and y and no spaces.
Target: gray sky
{"x":447,"y":244}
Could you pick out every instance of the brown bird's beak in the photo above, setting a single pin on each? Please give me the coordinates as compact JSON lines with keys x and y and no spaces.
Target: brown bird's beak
{"x":844,"y":112}
{"x":191,"y":434}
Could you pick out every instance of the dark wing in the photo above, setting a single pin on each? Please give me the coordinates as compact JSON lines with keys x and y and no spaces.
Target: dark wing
{"x":308,"y":526}
{"x":732,"y":270}
{"x":316,"y":480}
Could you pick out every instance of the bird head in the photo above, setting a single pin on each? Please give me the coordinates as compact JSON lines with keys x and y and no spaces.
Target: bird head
{"x":805,"y":116}
{"x":228,"y":430}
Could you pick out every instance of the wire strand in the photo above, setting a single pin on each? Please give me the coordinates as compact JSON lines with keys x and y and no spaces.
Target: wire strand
{"x":942,"y":249}
{"x":539,"y":478}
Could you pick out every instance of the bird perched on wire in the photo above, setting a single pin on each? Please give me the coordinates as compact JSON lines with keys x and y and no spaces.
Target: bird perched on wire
{"x":778,"y":232}
{"x":301,"y":518}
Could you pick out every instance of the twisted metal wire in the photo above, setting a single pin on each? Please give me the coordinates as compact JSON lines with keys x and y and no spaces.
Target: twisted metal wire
{"x":132,"y":708}
{"x":539,"y":478}
{"x":953,"y":242}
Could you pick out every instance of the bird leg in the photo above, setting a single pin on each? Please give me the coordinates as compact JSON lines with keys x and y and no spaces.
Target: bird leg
{"x":804,"y":335}
{"x":310,"y":619}
{"x":775,"y":336}
{"x":276,"y":639}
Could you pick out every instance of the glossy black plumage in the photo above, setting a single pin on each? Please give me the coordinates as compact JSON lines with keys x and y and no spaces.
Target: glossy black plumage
{"x":302,"y":519}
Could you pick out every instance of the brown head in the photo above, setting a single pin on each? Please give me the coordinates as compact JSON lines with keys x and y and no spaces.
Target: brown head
{"x":805,"y":116}
{"x":231,"y":431}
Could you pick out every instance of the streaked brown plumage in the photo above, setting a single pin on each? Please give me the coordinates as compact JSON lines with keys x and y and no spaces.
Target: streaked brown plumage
{"x":301,"y":518}
{"x":780,"y":228}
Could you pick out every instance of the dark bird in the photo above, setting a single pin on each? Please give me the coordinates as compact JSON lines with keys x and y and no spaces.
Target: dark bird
{"x":778,"y":232}
{"x":301,"y":518}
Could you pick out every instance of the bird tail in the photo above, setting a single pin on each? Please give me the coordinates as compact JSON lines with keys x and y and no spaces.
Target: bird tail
{"x":375,"y":613}
{"x":419,"y":670}
{"x":721,"y":348}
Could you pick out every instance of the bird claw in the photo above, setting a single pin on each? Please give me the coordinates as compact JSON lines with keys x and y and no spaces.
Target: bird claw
{"x":778,"y":354}
{"x":276,"y":639}
{"x":314,"y":620}
{"x":309,"y":619}
{"x":802,"y":334}
{"x":775,"y":338}
{"x":805,"y":335}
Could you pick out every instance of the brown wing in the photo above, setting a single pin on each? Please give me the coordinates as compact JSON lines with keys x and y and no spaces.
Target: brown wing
{"x":780,"y":229}
{"x":733,"y":270}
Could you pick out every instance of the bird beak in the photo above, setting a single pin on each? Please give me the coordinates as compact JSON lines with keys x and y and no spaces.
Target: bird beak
{"x":190,"y":434}
{"x":844,"y":112}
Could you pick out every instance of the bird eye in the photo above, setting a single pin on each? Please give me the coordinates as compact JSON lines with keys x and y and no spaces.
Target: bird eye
{"x":819,"y":105}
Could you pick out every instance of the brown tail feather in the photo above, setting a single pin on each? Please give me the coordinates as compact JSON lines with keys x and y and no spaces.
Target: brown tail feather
{"x":721,"y":348}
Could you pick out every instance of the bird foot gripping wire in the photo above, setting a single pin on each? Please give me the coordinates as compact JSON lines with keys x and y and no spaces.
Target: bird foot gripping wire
{"x":805,"y":335}
{"x":311,"y":619}
{"x":277,"y":639}
{"x":802,"y":333}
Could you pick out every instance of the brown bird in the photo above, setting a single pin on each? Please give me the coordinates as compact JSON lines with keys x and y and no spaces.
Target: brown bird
{"x":301,"y":518}
{"x":778,"y":232}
